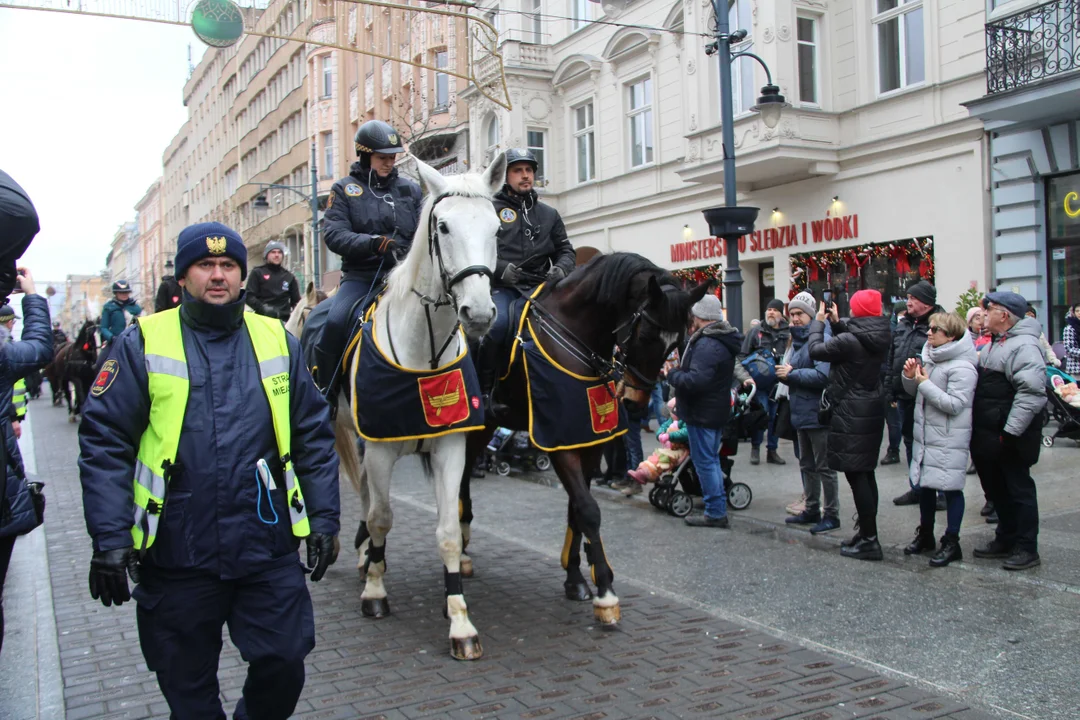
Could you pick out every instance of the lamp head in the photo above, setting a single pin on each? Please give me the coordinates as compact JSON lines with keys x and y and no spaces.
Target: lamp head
{"x":770,"y":105}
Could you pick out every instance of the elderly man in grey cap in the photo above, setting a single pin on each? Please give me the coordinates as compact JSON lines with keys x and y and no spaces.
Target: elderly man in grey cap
{"x":702,"y":383}
{"x":1008,"y":420}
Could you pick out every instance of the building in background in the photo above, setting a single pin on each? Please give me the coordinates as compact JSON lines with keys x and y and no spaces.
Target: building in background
{"x":247,"y":123}
{"x":347,"y":89}
{"x":125,"y":259}
{"x":1030,"y":112}
{"x":157,"y":260}
{"x":873,"y":178}
{"x":84,"y":296}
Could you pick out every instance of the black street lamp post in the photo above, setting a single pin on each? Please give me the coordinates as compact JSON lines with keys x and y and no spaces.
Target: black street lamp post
{"x":731,"y":222}
{"x":312,"y":199}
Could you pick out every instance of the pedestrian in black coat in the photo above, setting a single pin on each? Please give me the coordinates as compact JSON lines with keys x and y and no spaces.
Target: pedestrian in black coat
{"x":854,"y":405}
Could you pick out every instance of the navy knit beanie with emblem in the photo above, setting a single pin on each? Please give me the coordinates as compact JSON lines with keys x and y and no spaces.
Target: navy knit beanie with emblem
{"x":210,"y":239}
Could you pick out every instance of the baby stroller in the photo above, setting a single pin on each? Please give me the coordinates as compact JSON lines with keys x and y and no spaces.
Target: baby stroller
{"x":1066,"y":414}
{"x":747,"y":415}
{"x":508,"y":449}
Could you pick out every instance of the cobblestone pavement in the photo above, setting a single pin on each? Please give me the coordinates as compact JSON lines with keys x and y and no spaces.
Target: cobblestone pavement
{"x":544,"y":656}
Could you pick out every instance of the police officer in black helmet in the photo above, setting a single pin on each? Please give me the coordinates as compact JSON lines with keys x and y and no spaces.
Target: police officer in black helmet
{"x":370,"y":219}
{"x":532,"y":248}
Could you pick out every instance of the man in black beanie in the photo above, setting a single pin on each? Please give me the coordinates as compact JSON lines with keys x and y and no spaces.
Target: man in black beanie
{"x":771,"y":335}
{"x":908,"y":340}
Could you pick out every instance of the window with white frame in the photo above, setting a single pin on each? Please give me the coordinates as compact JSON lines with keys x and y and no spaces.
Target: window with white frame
{"x":743,"y":92}
{"x":328,"y":154}
{"x":640,"y":118}
{"x":327,"y":75}
{"x":442,"y":82}
{"x":807,"y":37}
{"x":535,"y":23}
{"x":585,"y":142}
{"x":582,"y":12}
{"x":535,"y":139}
{"x":900,"y":41}
{"x":493,"y":17}
{"x":492,"y":138}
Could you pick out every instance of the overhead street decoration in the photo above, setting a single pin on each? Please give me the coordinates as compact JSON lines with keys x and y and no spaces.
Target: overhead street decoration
{"x":221,"y":23}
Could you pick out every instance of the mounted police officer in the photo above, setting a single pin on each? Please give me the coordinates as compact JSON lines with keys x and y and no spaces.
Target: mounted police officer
{"x":206,"y":455}
{"x":533,"y":248}
{"x":370,"y":220}
{"x":58,"y":335}
{"x":113,"y":320}
{"x":271,"y":289}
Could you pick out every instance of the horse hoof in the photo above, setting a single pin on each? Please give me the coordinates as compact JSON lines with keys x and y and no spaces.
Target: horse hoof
{"x":466,"y":568}
{"x":578,"y":592}
{"x":466,"y":648}
{"x":607,"y":615}
{"x":375,"y":607}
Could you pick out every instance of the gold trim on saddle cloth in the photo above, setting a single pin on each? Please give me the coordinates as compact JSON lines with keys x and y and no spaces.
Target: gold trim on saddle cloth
{"x":520,"y":327}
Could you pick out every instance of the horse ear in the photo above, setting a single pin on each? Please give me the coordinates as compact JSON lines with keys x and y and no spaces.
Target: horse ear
{"x":309,"y":294}
{"x":657,"y":298}
{"x":432,"y":180}
{"x":495,"y":175}
{"x":698,"y":292}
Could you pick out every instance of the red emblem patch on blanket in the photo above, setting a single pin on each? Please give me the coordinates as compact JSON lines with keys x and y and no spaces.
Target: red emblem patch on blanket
{"x":603,"y":410}
{"x":444,"y":398}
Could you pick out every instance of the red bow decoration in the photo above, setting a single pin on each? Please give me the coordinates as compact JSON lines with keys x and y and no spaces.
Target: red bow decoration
{"x":811,"y":263}
{"x":903,"y":264}
{"x":792,"y":293}
{"x":926,"y":269}
{"x":854,"y":265}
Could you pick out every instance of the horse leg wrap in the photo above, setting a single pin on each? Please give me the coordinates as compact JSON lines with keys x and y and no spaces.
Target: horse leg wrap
{"x":453,"y":583}
{"x":374,"y":555}
{"x":361,"y":535}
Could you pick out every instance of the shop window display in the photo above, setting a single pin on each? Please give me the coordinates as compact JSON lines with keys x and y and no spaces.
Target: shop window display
{"x":888,"y":267}
{"x":1063,"y":238}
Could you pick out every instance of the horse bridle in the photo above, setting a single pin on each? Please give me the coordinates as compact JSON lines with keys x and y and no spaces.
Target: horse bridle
{"x":448,"y":282}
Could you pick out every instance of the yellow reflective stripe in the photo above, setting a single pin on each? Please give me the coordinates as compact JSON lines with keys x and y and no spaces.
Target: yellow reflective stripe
{"x":166,"y":366}
{"x":274,"y":366}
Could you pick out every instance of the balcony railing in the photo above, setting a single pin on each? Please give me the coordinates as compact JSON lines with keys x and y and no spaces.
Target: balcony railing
{"x":1032,"y":45}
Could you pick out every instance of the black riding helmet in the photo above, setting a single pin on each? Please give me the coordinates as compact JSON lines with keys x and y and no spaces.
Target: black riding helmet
{"x":121,"y":286}
{"x":376,"y":136}
{"x":518,"y":155}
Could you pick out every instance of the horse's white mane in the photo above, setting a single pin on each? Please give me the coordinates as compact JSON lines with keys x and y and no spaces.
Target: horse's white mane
{"x":403,"y":277}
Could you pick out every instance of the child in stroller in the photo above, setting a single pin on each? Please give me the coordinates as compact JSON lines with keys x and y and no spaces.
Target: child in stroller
{"x":508,"y":449}
{"x":674,"y":448}
{"x":1063,"y":402}
{"x":747,"y":416}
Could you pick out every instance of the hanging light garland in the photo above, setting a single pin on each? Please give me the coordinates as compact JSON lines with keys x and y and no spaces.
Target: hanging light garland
{"x":911,"y":255}
{"x":698,"y":275}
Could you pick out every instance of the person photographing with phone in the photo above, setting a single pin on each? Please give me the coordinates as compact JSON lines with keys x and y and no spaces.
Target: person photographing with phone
{"x":852,"y":405}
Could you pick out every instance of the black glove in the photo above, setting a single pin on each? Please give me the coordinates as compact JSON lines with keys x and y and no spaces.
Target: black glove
{"x":322,"y":550}
{"x":383,"y":245}
{"x":555,"y":274}
{"x":108,"y":575}
{"x":512,"y":274}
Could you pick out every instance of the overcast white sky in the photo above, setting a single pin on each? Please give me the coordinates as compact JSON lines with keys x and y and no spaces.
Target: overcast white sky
{"x":87,"y":108}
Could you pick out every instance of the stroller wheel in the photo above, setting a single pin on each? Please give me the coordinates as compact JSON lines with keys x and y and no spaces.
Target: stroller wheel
{"x":663,"y":496}
{"x":502,"y":468}
{"x":680,"y":504}
{"x":739,"y":496}
{"x":542,"y":462}
{"x":652,"y":497}
{"x":1048,"y":441}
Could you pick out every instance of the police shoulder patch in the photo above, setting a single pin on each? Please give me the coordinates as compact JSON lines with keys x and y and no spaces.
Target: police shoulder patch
{"x":507,"y":215}
{"x":354,"y":190}
{"x":105,"y":378}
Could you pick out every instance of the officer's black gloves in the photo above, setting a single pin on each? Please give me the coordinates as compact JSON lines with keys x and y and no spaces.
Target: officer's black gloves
{"x":322,"y":551}
{"x":383,"y":245}
{"x":512,"y":274}
{"x":555,"y":274}
{"x":108,"y":575}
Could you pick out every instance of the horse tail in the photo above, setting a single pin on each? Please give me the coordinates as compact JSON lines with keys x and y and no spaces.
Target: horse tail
{"x":345,"y":445}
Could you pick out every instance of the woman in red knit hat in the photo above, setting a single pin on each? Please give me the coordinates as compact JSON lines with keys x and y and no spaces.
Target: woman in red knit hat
{"x":853,"y":405}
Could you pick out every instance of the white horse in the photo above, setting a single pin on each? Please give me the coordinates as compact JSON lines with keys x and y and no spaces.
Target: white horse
{"x":443,"y":282}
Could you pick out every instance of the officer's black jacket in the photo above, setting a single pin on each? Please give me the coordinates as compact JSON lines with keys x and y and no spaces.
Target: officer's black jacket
{"x":359,"y":211}
{"x":272,"y":291}
{"x":545,"y":240}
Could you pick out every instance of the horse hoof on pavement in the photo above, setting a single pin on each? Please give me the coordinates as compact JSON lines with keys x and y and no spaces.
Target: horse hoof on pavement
{"x":607,"y":615}
{"x":466,"y":568}
{"x":466,"y":648}
{"x":578,"y":592}
{"x":375,"y":607}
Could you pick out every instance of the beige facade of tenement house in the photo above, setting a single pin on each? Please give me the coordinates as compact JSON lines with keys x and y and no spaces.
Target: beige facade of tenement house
{"x":125,"y":260}
{"x":152,"y":248}
{"x":85,"y":296}
{"x":628,"y":120}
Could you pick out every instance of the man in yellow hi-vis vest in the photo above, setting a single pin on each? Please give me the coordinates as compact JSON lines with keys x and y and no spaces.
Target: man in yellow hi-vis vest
{"x":206,"y":456}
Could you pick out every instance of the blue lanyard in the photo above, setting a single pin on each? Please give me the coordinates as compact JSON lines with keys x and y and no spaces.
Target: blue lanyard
{"x":263,"y":481}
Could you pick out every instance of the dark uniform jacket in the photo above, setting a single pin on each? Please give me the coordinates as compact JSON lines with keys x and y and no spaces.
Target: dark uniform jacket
{"x":706,"y":372}
{"x":763,"y":336}
{"x":272,"y":291}
{"x":210,"y":523}
{"x":169,"y":294}
{"x":16,"y":360}
{"x":907,"y":342}
{"x":854,"y":353}
{"x":114,"y":317}
{"x":358,"y":211}
{"x":530,"y":235}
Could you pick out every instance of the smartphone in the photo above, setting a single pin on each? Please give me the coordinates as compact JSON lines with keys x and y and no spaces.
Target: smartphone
{"x":826,"y":297}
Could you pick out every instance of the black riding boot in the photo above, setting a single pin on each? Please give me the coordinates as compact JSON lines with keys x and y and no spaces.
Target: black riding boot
{"x":324,"y":375}
{"x":487,"y":374}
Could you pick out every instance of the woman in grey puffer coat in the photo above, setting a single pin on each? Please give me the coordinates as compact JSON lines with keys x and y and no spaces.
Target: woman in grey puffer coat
{"x":944,"y":390}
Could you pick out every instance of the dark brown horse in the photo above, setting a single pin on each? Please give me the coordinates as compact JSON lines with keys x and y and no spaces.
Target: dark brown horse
{"x":620,"y":300}
{"x":74,"y":365}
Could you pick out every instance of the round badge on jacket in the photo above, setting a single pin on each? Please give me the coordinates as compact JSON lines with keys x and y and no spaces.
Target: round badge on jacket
{"x":507,"y":215}
{"x":354,"y":190}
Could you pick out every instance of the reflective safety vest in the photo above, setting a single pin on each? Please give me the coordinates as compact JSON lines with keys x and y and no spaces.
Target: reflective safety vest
{"x":18,"y":399}
{"x":167,"y":372}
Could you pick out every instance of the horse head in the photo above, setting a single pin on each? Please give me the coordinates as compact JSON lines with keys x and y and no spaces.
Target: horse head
{"x":457,"y":236}
{"x":299,"y":315}
{"x":86,"y":343}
